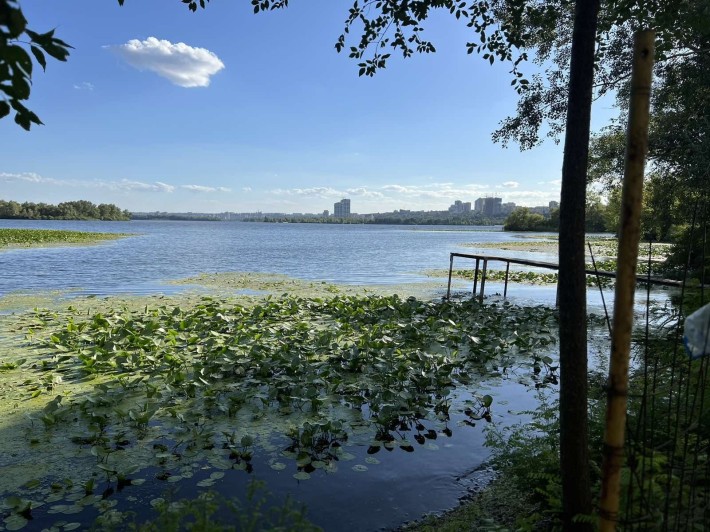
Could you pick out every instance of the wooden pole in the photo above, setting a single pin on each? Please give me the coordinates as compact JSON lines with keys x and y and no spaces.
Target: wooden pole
{"x":451,"y":268}
{"x":475,"y":279}
{"x":636,"y":147}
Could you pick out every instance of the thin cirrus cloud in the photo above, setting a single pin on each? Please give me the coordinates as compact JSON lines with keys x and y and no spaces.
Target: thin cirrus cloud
{"x":127,"y":185}
{"x":28,"y":177}
{"x":202,"y":188}
{"x":181,"y":64}
{"x":315,"y":192}
{"x":511,"y":184}
{"x":123,"y":185}
{"x":433,"y":191}
{"x":84,"y":86}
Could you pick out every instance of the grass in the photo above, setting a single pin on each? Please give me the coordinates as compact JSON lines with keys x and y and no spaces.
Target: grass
{"x":10,"y":238}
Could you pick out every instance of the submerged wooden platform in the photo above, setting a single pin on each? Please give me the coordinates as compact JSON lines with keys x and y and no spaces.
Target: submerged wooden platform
{"x":485,"y":259}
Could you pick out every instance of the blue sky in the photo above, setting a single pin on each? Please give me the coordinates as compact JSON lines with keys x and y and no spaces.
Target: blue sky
{"x":162,"y":109}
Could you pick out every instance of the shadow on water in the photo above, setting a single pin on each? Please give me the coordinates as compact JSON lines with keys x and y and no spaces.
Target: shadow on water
{"x":75,"y":469}
{"x":113,"y":445}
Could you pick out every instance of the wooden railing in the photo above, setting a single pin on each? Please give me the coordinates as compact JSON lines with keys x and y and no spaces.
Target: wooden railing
{"x":537,"y":264}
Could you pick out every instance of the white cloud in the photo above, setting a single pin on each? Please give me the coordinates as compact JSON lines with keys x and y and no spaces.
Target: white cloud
{"x":511,"y":184}
{"x":128,"y":185}
{"x":124,"y":185}
{"x":363,"y":192}
{"x":203,"y":188}
{"x":440,"y":191}
{"x":84,"y":86}
{"x":183,"y":65}
{"x":28,"y":177}
{"x":164,"y":187}
{"x":246,"y":189}
{"x":316,"y":192}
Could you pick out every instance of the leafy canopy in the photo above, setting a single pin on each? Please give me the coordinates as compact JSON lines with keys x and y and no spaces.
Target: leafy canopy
{"x":16,"y":65}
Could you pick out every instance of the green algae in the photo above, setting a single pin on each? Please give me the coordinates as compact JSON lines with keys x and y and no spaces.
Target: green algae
{"x":133,"y":389}
{"x":29,"y":238}
{"x":275,"y":284}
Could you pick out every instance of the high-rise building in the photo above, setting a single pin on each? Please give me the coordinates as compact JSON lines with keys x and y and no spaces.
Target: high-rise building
{"x":460,"y":207}
{"x":341,"y":209}
{"x":492,"y":206}
{"x":489,"y":206}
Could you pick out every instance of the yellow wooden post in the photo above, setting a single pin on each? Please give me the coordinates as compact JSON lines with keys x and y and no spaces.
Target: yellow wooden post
{"x":636,"y":147}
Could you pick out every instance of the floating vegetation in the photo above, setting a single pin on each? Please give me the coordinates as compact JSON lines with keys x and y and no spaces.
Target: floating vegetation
{"x":602,"y":247}
{"x":164,"y":395}
{"x":514,"y":276}
{"x":540,"y":278}
{"x":253,"y":286}
{"x":44,"y":237}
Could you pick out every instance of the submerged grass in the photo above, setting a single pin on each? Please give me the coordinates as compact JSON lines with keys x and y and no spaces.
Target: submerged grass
{"x":165,"y":394}
{"x":10,"y":238}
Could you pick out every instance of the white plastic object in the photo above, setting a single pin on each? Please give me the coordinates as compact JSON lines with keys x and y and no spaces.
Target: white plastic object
{"x":697,"y":332}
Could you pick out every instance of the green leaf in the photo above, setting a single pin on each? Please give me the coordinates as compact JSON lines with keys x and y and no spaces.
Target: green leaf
{"x":17,"y":55}
{"x":16,"y":21}
{"x":23,"y":121}
{"x":39,"y":56}
{"x":4,"y":109}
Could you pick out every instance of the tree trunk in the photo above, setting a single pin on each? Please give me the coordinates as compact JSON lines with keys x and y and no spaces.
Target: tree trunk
{"x":627,"y":257}
{"x":574,"y":453}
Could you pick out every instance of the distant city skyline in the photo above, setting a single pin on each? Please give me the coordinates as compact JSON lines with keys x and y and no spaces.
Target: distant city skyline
{"x":490,"y":206}
{"x":160,"y":109}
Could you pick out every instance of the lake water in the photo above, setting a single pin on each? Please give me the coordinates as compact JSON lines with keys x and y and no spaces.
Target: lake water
{"x":162,"y":251}
{"x":404,"y":486}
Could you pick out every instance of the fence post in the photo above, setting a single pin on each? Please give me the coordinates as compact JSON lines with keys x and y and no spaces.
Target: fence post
{"x":451,"y":268}
{"x":636,"y":146}
{"x":475,"y":278}
{"x":483,"y":278}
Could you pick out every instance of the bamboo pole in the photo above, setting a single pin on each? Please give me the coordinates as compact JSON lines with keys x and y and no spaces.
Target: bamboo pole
{"x":636,"y":147}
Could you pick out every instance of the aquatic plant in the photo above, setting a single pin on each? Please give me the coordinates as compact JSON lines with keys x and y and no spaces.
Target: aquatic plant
{"x":40,"y":237}
{"x":170,"y":393}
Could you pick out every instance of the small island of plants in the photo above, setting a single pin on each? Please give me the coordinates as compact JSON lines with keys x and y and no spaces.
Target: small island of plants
{"x":14,"y":238}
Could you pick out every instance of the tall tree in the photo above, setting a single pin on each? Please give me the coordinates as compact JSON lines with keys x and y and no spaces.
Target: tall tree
{"x":574,"y":452}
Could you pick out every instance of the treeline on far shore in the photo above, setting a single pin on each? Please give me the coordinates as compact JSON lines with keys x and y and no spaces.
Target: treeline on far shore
{"x":424,"y":218}
{"x":599,"y":218}
{"x":68,"y":210}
